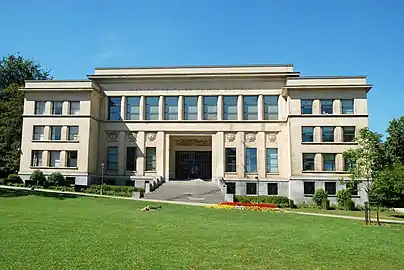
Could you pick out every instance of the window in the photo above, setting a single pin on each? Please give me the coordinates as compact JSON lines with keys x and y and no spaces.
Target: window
{"x":329,"y":162}
{"x":190,"y":108}
{"x":152,"y":108}
{"x":326,"y":106}
{"x":347,"y":106}
{"x":114,"y":108}
{"x":307,"y":134}
{"x":171,"y":108}
{"x":309,"y":188}
{"x":308,"y":162}
{"x":56,"y":133}
{"x":250,"y":108}
{"x":210,"y":108}
{"x":251,"y":160}
{"x":348,"y":134}
{"x":307,"y":106}
{"x":133,"y":108}
{"x":272,"y":160}
{"x":230,"y":108}
{"x":251,"y":188}
{"x":150,"y":158}
{"x":74,"y":107}
{"x":272,"y":188}
{"x":57,"y":107}
{"x":327,"y":134}
{"x":54,"y":160}
{"x":331,"y":188}
{"x":70,"y":180}
{"x":231,"y":160}
{"x":271,"y":107}
{"x":39,"y":107}
{"x":38,"y":133}
{"x":71,"y":159}
{"x":230,"y":188}
{"x":112,"y":159}
{"x":131,"y":158}
{"x":349,"y":164}
{"x":353,"y":188}
{"x":73,"y":133}
{"x":36,"y":158}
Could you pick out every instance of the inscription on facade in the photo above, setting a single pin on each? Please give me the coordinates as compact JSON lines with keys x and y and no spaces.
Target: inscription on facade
{"x":193,"y":142}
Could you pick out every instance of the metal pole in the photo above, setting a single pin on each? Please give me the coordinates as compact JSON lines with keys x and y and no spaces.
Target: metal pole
{"x":258,"y":188}
{"x":102,"y":176}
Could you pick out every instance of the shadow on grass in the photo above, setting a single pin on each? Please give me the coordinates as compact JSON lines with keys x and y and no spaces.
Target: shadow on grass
{"x":10,"y":193}
{"x":398,"y":216}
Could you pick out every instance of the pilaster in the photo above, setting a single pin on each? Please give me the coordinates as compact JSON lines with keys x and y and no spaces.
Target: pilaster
{"x":123,"y":107}
{"x":121,"y":153}
{"x":240,"y":110}
{"x":316,"y":106}
{"x":218,"y":152}
{"x":167,"y":157}
{"x":318,"y":162}
{"x":260,"y":107}
{"x":181,"y":108}
{"x":45,"y":158}
{"x":142,"y":108}
{"x":339,"y":162}
{"x":261,"y":155}
{"x":240,"y":155}
{"x":317,"y":134}
{"x":64,"y":133}
{"x":160,"y":152}
{"x":161,"y":108}
{"x":65,"y":108}
{"x":63,"y":159}
{"x":46,"y":133}
{"x":338,"y":134}
{"x":337,"y":106}
{"x":220,"y":107}
{"x":141,"y":153}
{"x":200,"y":108}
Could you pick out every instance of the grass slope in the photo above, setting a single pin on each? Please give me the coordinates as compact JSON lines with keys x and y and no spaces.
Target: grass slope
{"x":53,"y":232}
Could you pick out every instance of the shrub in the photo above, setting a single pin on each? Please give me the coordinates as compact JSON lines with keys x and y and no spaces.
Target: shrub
{"x":307,"y":205}
{"x":344,"y":200}
{"x":320,"y":198}
{"x":56,"y":179}
{"x":13,"y":179}
{"x":38,"y":177}
{"x":123,"y":191}
{"x":280,"y":201}
{"x":61,"y":188}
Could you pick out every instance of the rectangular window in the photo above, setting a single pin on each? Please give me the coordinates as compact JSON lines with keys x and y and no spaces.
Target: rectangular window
{"x":112,"y":159}
{"x":347,"y":106}
{"x":133,"y":108}
{"x":306,"y":106}
{"x":231,"y":160}
{"x":272,"y":160}
{"x":251,"y":160}
{"x":327,"y":134}
{"x":326,"y":106}
{"x":271,"y":107}
{"x":131,"y":158}
{"x":73,"y":133}
{"x":114,"y":108}
{"x":150,"y":158}
{"x":309,"y":188}
{"x":54,"y":160}
{"x":307,"y":134}
{"x":230,"y":108}
{"x":230,"y":188}
{"x":39,"y":107}
{"x":251,"y":188}
{"x":36,"y":158}
{"x":308,"y":162}
{"x":38,"y":133}
{"x":354,"y":189}
{"x":250,"y":107}
{"x":74,"y":107}
{"x":331,"y":188}
{"x":349,"y":164}
{"x":210,"y":108}
{"x":171,"y":108}
{"x":71,"y":159}
{"x":190,"y":108}
{"x":152,"y":108}
{"x":329,"y":162}
{"x":272,"y":188}
{"x":348,"y":134}
{"x":57,"y":107}
{"x":56,"y":133}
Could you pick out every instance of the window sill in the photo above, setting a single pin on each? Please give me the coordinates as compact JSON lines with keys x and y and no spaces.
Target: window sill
{"x":329,"y":115}
{"x":54,"y":141}
{"x":330,"y":143}
{"x":150,"y":171}
{"x":270,"y":174}
{"x":334,"y":172}
{"x":48,"y":167}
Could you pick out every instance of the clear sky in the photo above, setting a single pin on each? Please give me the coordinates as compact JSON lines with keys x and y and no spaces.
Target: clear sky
{"x":320,"y":37}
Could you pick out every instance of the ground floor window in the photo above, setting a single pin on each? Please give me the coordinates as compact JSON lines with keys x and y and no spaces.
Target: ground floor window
{"x":231,"y":160}
{"x":251,"y":188}
{"x":150,"y":158}
{"x":251,"y":160}
{"x":231,"y":188}
{"x":70,"y":180}
{"x":54,"y":160}
{"x":272,"y":188}
{"x":331,"y":188}
{"x":131,"y":158}
{"x":309,"y":188}
{"x":36,"y":158}
{"x":112,"y":159}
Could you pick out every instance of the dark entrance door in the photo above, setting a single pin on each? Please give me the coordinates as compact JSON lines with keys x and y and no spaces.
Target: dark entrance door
{"x":193,"y":165}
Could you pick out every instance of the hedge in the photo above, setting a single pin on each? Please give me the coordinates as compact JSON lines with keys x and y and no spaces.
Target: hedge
{"x":280,"y":201}
{"x":123,"y":191}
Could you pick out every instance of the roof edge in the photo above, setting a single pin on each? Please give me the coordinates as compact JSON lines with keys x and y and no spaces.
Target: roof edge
{"x":196,"y":66}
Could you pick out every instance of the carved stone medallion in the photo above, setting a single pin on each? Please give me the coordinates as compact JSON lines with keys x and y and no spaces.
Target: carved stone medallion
{"x":112,"y":136}
{"x":271,"y":137}
{"x":151,"y":137}
{"x":250,"y":137}
{"x":131,"y":136}
{"x":230,"y":137}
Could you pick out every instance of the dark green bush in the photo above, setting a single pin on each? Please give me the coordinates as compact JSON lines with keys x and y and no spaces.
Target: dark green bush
{"x":56,"y":179}
{"x":280,"y":201}
{"x":38,"y":177}
{"x":320,"y":198}
{"x":123,"y":191}
{"x":13,"y":179}
{"x":344,"y":200}
{"x":61,"y":188}
{"x":2,"y":181}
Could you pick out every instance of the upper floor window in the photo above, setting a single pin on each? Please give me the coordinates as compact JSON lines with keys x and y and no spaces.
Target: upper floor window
{"x":57,"y":107}
{"x":190,"y":108}
{"x":327,"y":134}
{"x":251,"y":160}
{"x":73,"y":133}
{"x":210,"y":108}
{"x":36,"y":158}
{"x":349,"y":164}
{"x":56,"y":133}
{"x":39,"y":107}
{"x":271,"y":107}
{"x":54,"y":160}
{"x":307,"y":134}
{"x":272,"y":160}
{"x":114,"y":108}
{"x":152,"y":108}
{"x":329,"y":162}
{"x":250,"y":108}
{"x":347,"y":106}
{"x":39,"y":133}
{"x":308,"y":162}
{"x":230,"y":108}
{"x":326,"y":106}
{"x":112,"y":158}
{"x":74,"y":107}
{"x":231,"y":160}
{"x":133,"y":108}
{"x":306,"y":106}
{"x":171,"y":108}
{"x":71,"y":159}
{"x":348,"y":134}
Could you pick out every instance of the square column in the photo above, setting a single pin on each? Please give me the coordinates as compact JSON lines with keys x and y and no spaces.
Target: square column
{"x":161,"y":108}
{"x":181,"y":108}
{"x":63,"y":159}
{"x":220,"y":107}
{"x":121,"y":153}
{"x":318,"y":162}
{"x":339,"y":162}
{"x":167,"y":158}
{"x":218,"y":158}
{"x":200,"y":108}
{"x":240,"y":110}
{"x":261,"y":154}
{"x":142,"y":108}
{"x":240,"y":151}
{"x":317,"y":134}
{"x":316,"y":107}
{"x":338,"y":134}
{"x":46,"y":133}
{"x":64,"y":133}
{"x":160,"y":153}
{"x":48,"y":107}
{"x":123,"y":107}
{"x":260,"y":107}
{"x":337,"y":106}
{"x":65,"y":108}
{"x":141,"y":153}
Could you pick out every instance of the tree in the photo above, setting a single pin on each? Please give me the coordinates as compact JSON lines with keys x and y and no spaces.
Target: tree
{"x":38,"y":177}
{"x":56,"y":179}
{"x":388,"y":186}
{"x":395,"y":139}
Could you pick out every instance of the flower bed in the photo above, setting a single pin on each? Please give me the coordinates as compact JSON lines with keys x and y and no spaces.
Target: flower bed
{"x":263,"y":207}
{"x":248,"y":204}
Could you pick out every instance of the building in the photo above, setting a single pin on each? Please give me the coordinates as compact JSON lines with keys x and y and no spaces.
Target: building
{"x":234,"y":123}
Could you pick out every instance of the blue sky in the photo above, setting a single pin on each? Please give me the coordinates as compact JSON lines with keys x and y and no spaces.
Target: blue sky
{"x":345,"y":37}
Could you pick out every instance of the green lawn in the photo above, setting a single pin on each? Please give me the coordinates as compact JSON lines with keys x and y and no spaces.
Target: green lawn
{"x":46,"y":232}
